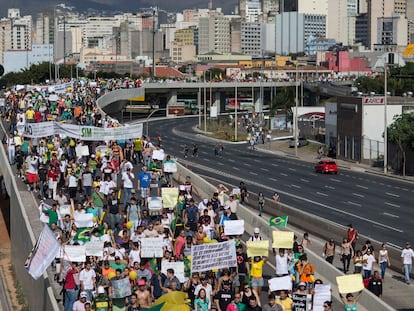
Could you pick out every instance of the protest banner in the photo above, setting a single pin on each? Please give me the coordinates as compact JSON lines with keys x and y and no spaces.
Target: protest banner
{"x":299,"y":302}
{"x":38,"y":130}
{"x":169,"y":197}
{"x":121,"y":288}
{"x":43,"y":253}
{"x":349,"y":283}
{"x":280,"y":283}
{"x":178,"y":268}
{"x":74,"y":253}
{"x":170,"y":167}
{"x":82,"y":151}
{"x":322,"y":294}
{"x":158,"y":154}
{"x":152,"y":247}
{"x":211,"y":256}
{"x":84,"y":220}
{"x":257,"y":248}
{"x":94,"y":248}
{"x":282,"y":239}
{"x":234,"y":227}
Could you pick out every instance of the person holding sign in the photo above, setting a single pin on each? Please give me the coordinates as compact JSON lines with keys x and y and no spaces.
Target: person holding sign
{"x":256,"y":273}
{"x":350,"y":302}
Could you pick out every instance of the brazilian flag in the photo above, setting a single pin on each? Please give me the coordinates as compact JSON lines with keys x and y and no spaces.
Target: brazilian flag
{"x":278,"y":221}
{"x":84,"y":234}
{"x":154,"y":265}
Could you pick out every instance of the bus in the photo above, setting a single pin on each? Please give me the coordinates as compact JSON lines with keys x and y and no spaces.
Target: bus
{"x":242,"y":102}
{"x":190,"y":105}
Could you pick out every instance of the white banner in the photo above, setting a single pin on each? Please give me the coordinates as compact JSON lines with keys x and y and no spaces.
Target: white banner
{"x":178,"y":268}
{"x":211,"y":256}
{"x":84,"y":220}
{"x":234,"y":227}
{"x":82,"y":151}
{"x":60,"y":88}
{"x":281,"y":283}
{"x":94,"y":248}
{"x":42,"y":254}
{"x":152,"y":247}
{"x":75,"y":253}
{"x":89,"y":133}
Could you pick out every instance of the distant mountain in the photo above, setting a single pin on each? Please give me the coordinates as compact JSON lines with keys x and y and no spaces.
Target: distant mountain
{"x":110,"y":7}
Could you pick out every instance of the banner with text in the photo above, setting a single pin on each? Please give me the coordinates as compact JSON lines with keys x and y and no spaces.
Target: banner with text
{"x":322,"y":294}
{"x":152,"y":247}
{"x":89,"y":133}
{"x":75,"y":253}
{"x":211,"y":256}
{"x":178,"y":268}
{"x":42,"y":254}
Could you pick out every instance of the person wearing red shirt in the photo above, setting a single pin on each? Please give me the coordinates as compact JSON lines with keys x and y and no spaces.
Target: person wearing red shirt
{"x":70,"y":287}
{"x":52,"y":177}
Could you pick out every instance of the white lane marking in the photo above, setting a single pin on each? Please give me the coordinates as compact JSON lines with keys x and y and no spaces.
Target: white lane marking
{"x":304,"y":180}
{"x":363,"y":187}
{"x":298,"y":197}
{"x":236,"y":168}
{"x":330,"y":187}
{"x":256,"y":160}
{"x":391,"y":204}
{"x":358,"y":195}
{"x":296,"y":186}
{"x":292,"y":169}
{"x":320,"y":193}
{"x":405,"y":189}
{"x":219,"y":163}
{"x":353,"y":203}
{"x":283,"y":174}
{"x":247,"y":164}
{"x":394,"y":245}
{"x":335,"y":180}
{"x":397,"y":188}
{"x":253,"y":173}
{"x":392,"y":194}
{"x":264,"y":169}
{"x":314,"y":174}
{"x":204,"y":152}
{"x":230,"y":160}
{"x":381,"y":183}
{"x":205,"y":159}
{"x":274,"y":179}
{"x":391,"y":215}
{"x":274,"y":164}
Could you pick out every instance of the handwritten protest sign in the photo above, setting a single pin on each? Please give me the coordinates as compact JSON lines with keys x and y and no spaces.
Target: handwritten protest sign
{"x":158,"y":154}
{"x":121,"y":288}
{"x":282,"y":239}
{"x":82,"y":151}
{"x":349,"y":283}
{"x":322,"y":294}
{"x":151,"y":247}
{"x":299,"y":302}
{"x":170,"y":167}
{"x":75,"y":253}
{"x":84,"y":220}
{"x":210,"y":256}
{"x":94,"y":248}
{"x":178,"y":268}
{"x":234,"y":227}
{"x":257,"y":248}
{"x":281,"y":283}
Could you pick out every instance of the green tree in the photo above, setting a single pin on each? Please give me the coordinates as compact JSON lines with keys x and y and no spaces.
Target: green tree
{"x":401,"y":132}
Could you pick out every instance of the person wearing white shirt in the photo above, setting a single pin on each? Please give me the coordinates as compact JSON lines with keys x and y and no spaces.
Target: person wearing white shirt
{"x":281,"y":260}
{"x":407,"y":256}
{"x":128,"y":184}
{"x":87,"y":278}
{"x":368,"y":261}
{"x":134,"y":254}
{"x":11,"y":148}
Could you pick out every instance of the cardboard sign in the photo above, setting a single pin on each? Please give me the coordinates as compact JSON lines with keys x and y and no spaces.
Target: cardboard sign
{"x":349,"y":283}
{"x":257,"y":248}
{"x":82,"y":151}
{"x":169,"y":197}
{"x":121,"y":288}
{"x":322,"y":294}
{"x":75,"y":253}
{"x":280,"y":283}
{"x":282,"y":239}
{"x":211,"y":256}
{"x":234,"y":227}
{"x":299,"y":302}
{"x":178,"y":268}
{"x":94,"y":248}
{"x":152,"y":247}
{"x":84,"y":220}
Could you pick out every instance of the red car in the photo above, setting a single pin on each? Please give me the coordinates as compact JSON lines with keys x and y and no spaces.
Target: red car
{"x":326,"y":166}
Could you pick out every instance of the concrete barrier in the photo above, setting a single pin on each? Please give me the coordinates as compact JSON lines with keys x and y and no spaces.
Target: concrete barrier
{"x":325,"y":271}
{"x":25,"y":227}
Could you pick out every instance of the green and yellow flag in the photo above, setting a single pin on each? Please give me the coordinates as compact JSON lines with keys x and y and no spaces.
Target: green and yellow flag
{"x":154,"y":265}
{"x":278,"y":221}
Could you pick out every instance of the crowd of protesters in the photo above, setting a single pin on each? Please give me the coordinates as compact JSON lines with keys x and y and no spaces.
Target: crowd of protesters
{"x":115,"y":182}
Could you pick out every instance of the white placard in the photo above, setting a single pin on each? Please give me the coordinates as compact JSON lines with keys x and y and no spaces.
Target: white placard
{"x":281,"y":283}
{"x":158,"y":154}
{"x":322,"y":294}
{"x":170,"y":167}
{"x":234,"y":227}
{"x":211,"y":256}
{"x":152,"y":247}
{"x":75,"y":253}
{"x":84,"y":220}
{"x":64,"y":210}
{"x":82,"y":151}
{"x":94,"y":248}
{"x":178,"y":268}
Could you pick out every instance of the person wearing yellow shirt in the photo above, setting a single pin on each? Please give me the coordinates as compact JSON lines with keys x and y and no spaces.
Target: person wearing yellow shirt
{"x":138,"y":150}
{"x":285,"y":300}
{"x":256,"y":273}
{"x":30,"y":114}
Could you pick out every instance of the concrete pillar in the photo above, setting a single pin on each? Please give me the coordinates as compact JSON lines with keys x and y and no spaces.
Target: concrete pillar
{"x":172,"y":99}
{"x":216,"y":101}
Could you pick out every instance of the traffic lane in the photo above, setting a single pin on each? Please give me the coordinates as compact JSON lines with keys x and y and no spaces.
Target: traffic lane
{"x":367,"y":227}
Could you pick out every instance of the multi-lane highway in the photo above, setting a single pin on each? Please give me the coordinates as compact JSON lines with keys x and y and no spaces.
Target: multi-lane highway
{"x":379,"y":207}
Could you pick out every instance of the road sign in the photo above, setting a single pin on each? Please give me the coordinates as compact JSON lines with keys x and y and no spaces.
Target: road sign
{"x":374,"y":100}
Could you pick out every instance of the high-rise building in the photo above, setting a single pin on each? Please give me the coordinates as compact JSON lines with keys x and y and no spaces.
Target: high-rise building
{"x":288,"y":6}
{"x":377,"y":9}
{"x":5,"y":38}
{"x":214,"y":32}
{"x":341,"y":20}
{"x":410,"y":20}
{"x":251,"y":38}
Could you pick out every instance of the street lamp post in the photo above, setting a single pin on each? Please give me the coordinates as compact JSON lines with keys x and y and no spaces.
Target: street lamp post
{"x":150,"y":115}
{"x":385,"y":118}
{"x":235,"y":112}
{"x":205,"y":104}
{"x":296,"y":112}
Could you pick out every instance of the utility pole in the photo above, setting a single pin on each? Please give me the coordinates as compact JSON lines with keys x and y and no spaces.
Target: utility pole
{"x":154,"y":15}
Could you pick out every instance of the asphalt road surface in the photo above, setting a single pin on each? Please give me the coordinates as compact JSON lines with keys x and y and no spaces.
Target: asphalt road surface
{"x":378,"y":207}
